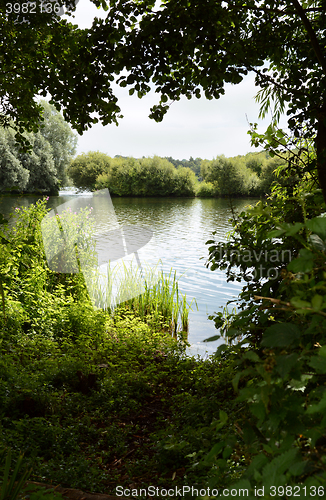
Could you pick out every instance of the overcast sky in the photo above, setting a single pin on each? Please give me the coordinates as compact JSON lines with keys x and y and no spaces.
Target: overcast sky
{"x":196,"y":127}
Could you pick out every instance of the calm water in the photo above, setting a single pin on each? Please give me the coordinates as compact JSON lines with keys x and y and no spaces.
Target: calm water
{"x":180,"y":227}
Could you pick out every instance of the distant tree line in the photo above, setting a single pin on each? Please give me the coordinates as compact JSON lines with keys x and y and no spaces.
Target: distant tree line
{"x":249,"y":175}
{"x":130,"y":176}
{"x":43,"y":169}
{"x":194,"y":165}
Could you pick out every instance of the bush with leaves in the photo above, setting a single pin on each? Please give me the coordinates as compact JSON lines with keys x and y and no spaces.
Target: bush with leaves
{"x":225,"y":175}
{"x":279,"y":249}
{"x":85,"y":168}
{"x":206,"y":190}
{"x":147,"y":177}
{"x":184,"y":182}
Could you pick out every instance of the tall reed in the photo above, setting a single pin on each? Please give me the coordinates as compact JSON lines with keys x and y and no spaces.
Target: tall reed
{"x":152,"y":295}
{"x":228,"y":319}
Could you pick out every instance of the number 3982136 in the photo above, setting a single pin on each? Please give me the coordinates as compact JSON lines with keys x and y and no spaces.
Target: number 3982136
{"x":32,"y":7}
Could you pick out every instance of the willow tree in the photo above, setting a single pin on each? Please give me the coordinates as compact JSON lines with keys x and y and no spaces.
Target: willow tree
{"x":181,"y":47}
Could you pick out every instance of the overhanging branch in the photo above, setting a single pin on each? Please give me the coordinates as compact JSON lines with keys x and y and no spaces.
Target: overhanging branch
{"x":312,"y":35}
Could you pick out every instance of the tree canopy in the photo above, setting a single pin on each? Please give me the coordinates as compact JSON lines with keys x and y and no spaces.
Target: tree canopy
{"x":43,"y":168}
{"x":182,"y":47}
{"x":63,"y":141}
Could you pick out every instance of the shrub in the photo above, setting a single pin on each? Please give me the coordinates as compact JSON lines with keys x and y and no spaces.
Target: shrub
{"x":85,"y":169}
{"x":225,"y":175}
{"x":206,"y":190}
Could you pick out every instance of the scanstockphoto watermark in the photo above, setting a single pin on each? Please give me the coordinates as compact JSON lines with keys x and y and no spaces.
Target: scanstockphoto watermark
{"x":180,"y":492}
{"x":264,"y":258}
{"x":259,"y":492}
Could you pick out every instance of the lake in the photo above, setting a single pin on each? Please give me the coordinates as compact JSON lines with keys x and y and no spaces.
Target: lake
{"x":180,"y":229}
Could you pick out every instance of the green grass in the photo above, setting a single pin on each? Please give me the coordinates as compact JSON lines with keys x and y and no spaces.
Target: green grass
{"x":163,"y":304}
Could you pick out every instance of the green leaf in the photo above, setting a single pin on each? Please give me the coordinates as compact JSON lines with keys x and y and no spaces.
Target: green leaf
{"x":249,"y":435}
{"x":221,"y":348}
{"x":223,"y":417}
{"x":211,"y":339}
{"x":284,"y":363}
{"x":273,"y":472}
{"x":318,"y":363}
{"x":299,"y":303}
{"x":281,"y":335}
{"x":276,"y":233}
{"x":235,"y":380}
{"x":257,"y":464}
{"x":268,"y":449}
{"x":317,"y":302}
{"x":317,"y":242}
{"x":319,"y":407}
{"x":215,"y":451}
{"x":300,"y":385}
{"x":318,"y":226}
{"x":252,"y":356}
{"x":292,"y":229}
{"x":298,"y":468}
{"x":302,"y":264}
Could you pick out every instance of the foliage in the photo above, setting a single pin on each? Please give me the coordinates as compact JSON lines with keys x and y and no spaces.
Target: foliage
{"x":146,"y":176}
{"x":145,"y":44}
{"x":278,"y":249}
{"x":56,"y":58}
{"x":59,"y":135}
{"x":251,"y":175}
{"x":130,"y":176}
{"x":193,"y":164}
{"x":40,"y":165}
{"x":34,"y":298}
{"x":10,"y":490}
{"x":80,"y":385}
{"x":42,"y":168}
{"x":16,"y":487}
{"x":124,"y":396}
{"x":12,"y":172}
{"x":162,"y":305}
{"x":206,"y":190}
{"x":85,"y":168}
{"x":127,"y":176}
{"x":226,"y":177}
{"x":184,"y":183}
